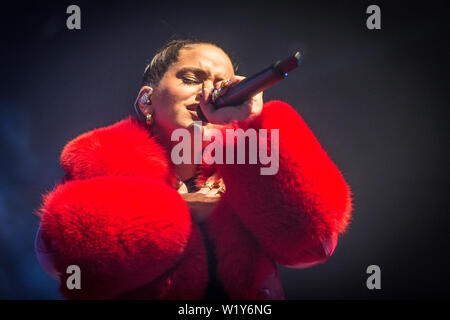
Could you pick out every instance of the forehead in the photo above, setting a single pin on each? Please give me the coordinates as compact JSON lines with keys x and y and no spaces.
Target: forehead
{"x":206,"y":57}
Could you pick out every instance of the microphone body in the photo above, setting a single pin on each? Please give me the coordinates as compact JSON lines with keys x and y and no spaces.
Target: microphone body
{"x":264,"y":79}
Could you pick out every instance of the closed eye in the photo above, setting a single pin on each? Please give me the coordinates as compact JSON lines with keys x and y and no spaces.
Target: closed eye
{"x":191,"y":80}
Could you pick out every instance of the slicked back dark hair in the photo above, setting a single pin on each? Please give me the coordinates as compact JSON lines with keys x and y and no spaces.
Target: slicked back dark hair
{"x":164,"y":58}
{"x":168,"y":54}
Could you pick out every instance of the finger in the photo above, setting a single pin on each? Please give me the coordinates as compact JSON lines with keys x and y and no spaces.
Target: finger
{"x":230,"y":113}
{"x":211,"y":114}
{"x":227,"y":84}
{"x":222,"y":84}
{"x":236,"y":78}
{"x":220,"y":88}
{"x":205,"y":104}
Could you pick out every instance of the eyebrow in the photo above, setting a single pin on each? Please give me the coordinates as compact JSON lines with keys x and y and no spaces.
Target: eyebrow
{"x":196,"y":70}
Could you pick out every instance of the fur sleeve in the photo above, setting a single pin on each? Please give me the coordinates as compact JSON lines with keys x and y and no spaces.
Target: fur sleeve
{"x":114,"y":214}
{"x":123,"y":232}
{"x":297,"y":213}
{"x":124,"y":148}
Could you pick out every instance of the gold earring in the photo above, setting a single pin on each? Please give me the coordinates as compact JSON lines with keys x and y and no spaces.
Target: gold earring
{"x":148,"y":119}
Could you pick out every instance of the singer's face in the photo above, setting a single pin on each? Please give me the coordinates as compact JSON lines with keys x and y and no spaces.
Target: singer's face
{"x":177,"y":96}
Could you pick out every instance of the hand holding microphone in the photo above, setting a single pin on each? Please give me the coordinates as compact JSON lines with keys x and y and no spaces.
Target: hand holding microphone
{"x":240,"y":97}
{"x":208,"y":113}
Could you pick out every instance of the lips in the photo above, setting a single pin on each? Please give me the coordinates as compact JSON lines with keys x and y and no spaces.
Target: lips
{"x":194,"y":115}
{"x":193,"y":111}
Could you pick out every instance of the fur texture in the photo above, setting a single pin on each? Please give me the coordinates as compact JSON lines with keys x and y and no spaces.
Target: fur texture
{"x":305,"y":204}
{"x":118,"y":217}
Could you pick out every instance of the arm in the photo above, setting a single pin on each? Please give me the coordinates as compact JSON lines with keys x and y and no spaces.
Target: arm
{"x":297,"y":213}
{"x":123,"y":232}
{"x":113,"y":215}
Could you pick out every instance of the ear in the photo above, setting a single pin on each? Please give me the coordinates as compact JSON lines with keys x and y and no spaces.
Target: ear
{"x":141,"y":101}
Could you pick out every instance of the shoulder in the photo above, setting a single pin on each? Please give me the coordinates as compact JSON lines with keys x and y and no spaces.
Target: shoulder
{"x":123,"y":148}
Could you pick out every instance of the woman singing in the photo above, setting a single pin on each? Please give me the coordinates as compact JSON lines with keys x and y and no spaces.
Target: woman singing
{"x":140,"y":225}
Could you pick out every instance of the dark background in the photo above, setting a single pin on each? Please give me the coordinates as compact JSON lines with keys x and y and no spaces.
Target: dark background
{"x":377,"y":100}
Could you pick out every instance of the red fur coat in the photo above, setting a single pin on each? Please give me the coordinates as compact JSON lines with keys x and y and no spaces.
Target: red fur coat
{"x":118,"y":217}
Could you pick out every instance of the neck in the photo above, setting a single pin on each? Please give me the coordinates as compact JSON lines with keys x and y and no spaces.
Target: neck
{"x":183,"y":171}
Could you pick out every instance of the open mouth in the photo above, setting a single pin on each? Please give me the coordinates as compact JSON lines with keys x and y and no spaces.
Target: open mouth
{"x":193,"y":111}
{"x":194,"y":115}
{"x":193,"y":107}
{"x":197,"y":112}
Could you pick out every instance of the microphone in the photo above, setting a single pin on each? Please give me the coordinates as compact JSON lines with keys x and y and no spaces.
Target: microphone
{"x":244,"y":90}
{"x":261,"y":81}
